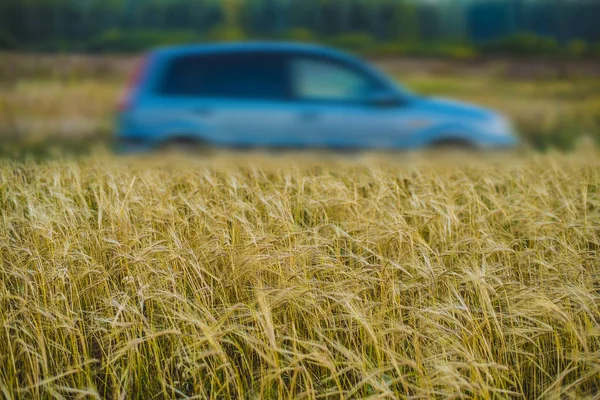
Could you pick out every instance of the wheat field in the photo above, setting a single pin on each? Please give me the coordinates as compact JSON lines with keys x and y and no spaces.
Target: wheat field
{"x":304,"y":276}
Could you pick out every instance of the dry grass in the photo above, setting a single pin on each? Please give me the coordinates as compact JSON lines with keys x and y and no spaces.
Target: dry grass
{"x":300,"y":277}
{"x":548,"y":112}
{"x":45,"y":109}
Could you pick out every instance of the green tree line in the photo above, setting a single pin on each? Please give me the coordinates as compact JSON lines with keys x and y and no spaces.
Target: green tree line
{"x":458,"y":27}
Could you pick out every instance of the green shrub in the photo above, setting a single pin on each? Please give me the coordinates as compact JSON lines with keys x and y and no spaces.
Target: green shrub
{"x":226,"y":33}
{"x":460,"y":52}
{"x":355,"y":41}
{"x":577,"y":48}
{"x":454,"y":51}
{"x":300,"y":35}
{"x":444,"y":50}
{"x":594,"y":50}
{"x":7,"y":40}
{"x":523,"y":44}
{"x":389,"y":50}
{"x":117,"y":40}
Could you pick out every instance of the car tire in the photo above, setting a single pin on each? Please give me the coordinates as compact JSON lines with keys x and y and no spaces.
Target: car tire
{"x":454,"y":145}
{"x":184,"y":144}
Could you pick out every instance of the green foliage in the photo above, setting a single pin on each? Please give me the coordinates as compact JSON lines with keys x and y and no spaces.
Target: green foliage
{"x":117,"y":40}
{"x":577,"y":48}
{"x":405,"y":24}
{"x":446,"y":50}
{"x":226,"y":33}
{"x":354,"y":41}
{"x":402,"y":48}
{"x":459,"y":52}
{"x":594,"y":50}
{"x":7,"y":40}
{"x":524,"y":44}
{"x":301,"y":35}
{"x":358,"y":25}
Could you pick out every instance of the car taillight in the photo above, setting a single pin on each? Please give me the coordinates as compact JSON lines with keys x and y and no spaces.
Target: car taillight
{"x":133,"y":84}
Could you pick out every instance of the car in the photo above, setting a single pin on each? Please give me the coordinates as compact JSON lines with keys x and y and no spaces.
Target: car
{"x":284,"y":95}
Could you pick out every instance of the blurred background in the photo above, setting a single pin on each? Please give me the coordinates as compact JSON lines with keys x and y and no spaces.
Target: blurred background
{"x":64,"y":63}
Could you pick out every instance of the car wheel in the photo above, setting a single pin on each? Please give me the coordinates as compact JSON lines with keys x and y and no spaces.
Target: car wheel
{"x":459,"y":145}
{"x":183,"y":145}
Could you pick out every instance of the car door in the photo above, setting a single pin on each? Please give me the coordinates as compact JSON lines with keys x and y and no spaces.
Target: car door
{"x":237,"y":98}
{"x":337,"y":105}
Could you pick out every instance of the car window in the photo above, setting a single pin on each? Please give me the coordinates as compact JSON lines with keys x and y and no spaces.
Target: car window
{"x":318,"y":79}
{"x":237,"y":76}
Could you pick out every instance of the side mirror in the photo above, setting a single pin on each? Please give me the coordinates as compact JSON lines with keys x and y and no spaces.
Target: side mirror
{"x":384,"y":98}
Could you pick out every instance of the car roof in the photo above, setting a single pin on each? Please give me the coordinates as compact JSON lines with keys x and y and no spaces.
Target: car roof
{"x":290,"y":48}
{"x":242,"y":47}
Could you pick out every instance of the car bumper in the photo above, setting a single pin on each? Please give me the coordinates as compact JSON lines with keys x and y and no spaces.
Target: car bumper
{"x":123,"y":145}
{"x":501,"y":142}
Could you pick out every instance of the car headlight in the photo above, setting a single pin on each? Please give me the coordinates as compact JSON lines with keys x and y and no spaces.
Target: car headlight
{"x":500,"y":126}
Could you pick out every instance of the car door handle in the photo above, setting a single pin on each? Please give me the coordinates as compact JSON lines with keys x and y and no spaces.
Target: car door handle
{"x":309,"y":115}
{"x":204,"y":111}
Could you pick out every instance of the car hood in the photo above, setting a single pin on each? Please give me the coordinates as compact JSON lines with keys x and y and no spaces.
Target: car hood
{"x":455,"y":108}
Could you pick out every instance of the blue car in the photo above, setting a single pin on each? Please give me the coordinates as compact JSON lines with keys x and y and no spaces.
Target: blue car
{"x":289,"y":95}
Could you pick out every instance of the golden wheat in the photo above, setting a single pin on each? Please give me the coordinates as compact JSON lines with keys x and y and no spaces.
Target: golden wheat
{"x":300,"y":277}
